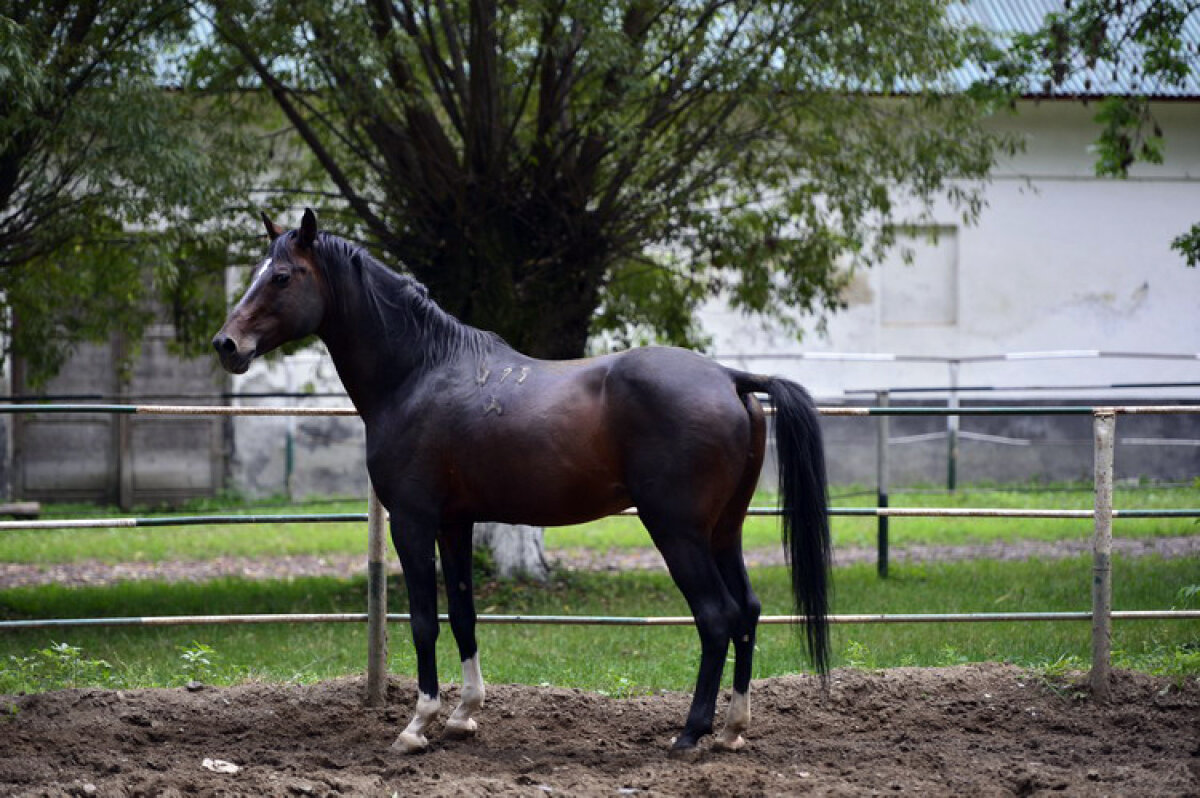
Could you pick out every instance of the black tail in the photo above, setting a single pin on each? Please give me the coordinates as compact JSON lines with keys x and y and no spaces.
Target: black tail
{"x":803,"y":499}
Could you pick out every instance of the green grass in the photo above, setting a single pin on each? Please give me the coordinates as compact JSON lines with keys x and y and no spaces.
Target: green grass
{"x":259,"y":540}
{"x":616,"y":660}
{"x":625,"y":532}
{"x":157,"y":544}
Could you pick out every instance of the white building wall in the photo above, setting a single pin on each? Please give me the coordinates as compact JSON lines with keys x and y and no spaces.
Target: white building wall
{"x":1059,"y":260}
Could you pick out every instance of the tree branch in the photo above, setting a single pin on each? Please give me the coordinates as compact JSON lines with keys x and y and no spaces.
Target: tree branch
{"x":229,"y":31}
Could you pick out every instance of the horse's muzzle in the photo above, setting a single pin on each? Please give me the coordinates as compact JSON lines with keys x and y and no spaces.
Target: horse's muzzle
{"x":233,"y":359}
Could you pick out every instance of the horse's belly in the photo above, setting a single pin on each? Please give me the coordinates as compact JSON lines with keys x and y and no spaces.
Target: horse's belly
{"x":543,"y":499}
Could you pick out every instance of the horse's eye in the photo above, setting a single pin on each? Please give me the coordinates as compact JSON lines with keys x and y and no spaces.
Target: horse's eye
{"x":281,"y":278}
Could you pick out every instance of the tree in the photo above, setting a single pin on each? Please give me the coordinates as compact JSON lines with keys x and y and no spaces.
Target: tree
{"x":1143,"y":39}
{"x":556,"y":168}
{"x":107,"y":177}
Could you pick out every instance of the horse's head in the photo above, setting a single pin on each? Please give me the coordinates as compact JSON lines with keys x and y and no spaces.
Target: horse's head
{"x":285,"y":300}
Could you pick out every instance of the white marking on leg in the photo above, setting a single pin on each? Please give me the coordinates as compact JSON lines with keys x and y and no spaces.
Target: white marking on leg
{"x":737,"y":719}
{"x":413,"y":738}
{"x":524,"y":373}
{"x":460,"y":723}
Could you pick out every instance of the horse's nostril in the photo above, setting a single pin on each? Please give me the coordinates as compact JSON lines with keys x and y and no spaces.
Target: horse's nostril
{"x":224,"y":344}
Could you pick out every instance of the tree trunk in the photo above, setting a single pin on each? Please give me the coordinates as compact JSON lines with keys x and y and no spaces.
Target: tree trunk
{"x":517,"y":551}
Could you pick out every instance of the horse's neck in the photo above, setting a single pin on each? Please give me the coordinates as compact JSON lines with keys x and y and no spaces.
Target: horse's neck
{"x":371,"y":363}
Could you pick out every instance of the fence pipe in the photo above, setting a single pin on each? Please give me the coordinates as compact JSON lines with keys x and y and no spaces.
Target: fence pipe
{"x":342,"y":518}
{"x":981,"y":410}
{"x":376,"y":601}
{"x":590,"y":620}
{"x":881,"y":494}
{"x":1105,"y":426}
{"x":226,"y":410}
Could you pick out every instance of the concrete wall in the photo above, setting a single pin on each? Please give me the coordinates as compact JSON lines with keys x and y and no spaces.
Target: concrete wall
{"x":1002,"y":449}
{"x":122,"y":459}
{"x":327,"y":452}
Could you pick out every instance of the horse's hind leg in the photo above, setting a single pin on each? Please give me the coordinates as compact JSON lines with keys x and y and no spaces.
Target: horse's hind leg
{"x":727,"y":552}
{"x":733,"y":572}
{"x":414,"y":545}
{"x":717,"y":616}
{"x":455,"y":546}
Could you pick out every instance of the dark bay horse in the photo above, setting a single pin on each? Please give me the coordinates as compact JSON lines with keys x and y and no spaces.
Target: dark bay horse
{"x":461,"y":428}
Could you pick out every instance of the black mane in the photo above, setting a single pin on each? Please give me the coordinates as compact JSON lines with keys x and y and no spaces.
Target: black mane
{"x":399,"y":304}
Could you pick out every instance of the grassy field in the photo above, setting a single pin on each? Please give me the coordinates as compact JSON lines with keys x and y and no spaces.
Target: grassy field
{"x":619,"y":661}
{"x":274,"y":539}
{"x":615,"y":660}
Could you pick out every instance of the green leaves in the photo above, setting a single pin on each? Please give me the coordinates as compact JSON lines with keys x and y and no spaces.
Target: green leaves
{"x":554,"y":169}
{"x":1188,"y":245}
{"x":111,"y":182}
{"x":1128,"y":134}
{"x":652,"y":301}
{"x":1140,"y":46}
{"x":56,"y":667}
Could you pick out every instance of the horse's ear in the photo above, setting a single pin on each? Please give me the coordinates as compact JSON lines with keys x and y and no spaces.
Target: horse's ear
{"x":273,"y":231}
{"x":308,"y":229}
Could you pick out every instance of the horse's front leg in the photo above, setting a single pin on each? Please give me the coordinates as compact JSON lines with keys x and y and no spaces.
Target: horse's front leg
{"x":455,"y":546}
{"x":414,"y":545}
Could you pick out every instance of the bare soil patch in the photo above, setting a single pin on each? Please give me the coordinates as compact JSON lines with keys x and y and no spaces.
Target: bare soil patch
{"x":969,"y":730}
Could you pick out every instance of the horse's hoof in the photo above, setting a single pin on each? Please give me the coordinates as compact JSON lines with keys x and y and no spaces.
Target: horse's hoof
{"x":460,"y":729}
{"x":725,"y":744}
{"x":409,"y":743}
{"x":684,"y":750}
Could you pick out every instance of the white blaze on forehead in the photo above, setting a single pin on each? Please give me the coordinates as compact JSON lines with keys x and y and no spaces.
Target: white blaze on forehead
{"x":262,"y":270}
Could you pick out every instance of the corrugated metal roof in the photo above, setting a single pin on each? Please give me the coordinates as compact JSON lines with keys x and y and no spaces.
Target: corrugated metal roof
{"x":1007,"y":17}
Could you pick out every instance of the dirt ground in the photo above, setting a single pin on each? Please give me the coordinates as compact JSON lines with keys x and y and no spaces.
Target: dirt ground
{"x":968,"y":730}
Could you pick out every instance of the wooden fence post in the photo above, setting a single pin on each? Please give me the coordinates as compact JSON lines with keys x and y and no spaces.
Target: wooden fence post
{"x":376,"y":602}
{"x":1105,"y":423}
{"x":881,"y":487}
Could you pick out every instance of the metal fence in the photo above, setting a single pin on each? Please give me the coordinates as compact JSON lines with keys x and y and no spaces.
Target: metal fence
{"x":376,"y":617}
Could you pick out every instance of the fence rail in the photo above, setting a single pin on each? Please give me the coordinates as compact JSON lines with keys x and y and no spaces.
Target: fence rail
{"x":1101,"y":615}
{"x":342,"y":518}
{"x":590,"y":620}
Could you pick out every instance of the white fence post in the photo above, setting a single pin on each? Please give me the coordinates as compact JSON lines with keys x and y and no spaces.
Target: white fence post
{"x":376,"y":602}
{"x":1105,"y":424}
